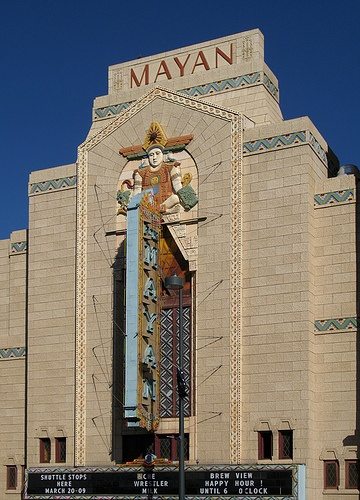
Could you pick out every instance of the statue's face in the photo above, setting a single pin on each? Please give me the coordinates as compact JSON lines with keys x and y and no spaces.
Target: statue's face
{"x":156,"y":157}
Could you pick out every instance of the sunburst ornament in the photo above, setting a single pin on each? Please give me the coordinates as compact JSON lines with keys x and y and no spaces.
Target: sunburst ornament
{"x":155,"y":136}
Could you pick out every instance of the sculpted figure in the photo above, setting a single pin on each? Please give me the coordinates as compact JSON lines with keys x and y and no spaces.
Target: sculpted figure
{"x":164,"y":178}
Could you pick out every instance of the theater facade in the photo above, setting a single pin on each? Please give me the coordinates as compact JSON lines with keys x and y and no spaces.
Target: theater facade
{"x":188,"y":169}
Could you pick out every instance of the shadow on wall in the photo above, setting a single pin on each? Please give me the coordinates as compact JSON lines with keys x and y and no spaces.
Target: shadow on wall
{"x":354,"y":440}
{"x":118,"y":351}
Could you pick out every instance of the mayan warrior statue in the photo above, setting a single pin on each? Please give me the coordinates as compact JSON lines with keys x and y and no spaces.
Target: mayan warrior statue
{"x":163,"y":178}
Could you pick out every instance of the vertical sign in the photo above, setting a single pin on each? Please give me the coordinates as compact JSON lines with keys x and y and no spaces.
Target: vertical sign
{"x":142,"y":313}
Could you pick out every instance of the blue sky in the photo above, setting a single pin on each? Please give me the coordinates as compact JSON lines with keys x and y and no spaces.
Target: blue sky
{"x":54,"y":56}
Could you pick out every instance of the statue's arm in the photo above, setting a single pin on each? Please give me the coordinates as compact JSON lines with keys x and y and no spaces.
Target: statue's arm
{"x":137,"y":182}
{"x":176,"y":178}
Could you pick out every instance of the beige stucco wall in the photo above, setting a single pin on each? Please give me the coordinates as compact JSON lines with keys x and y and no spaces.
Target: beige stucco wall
{"x":51,"y":310}
{"x":12,"y":355}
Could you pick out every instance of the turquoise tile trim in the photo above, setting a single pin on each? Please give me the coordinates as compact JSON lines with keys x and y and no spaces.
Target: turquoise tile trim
{"x":53,"y":185}
{"x":337,"y":324}
{"x":317,"y":148}
{"x":274,"y":91}
{"x":201,"y":90}
{"x":18,"y":247}
{"x":285,"y":140}
{"x":334,"y":197}
{"x":109,"y":111}
{"x":228,"y":84}
{"x":12,"y":352}
{"x":276,"y":142}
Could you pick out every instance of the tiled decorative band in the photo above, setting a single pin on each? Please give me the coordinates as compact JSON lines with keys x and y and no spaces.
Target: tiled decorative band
{"x":109,"y":111}
{"x":12,"y":352}
{"x":335,"y":324}
{"x":334,"y":198}
{"x":202,"y":90}
{"x":18,"y":247}
{"x":285,"y":141}
{"x":279,"y":141}
{"x":52,"y":185}
{"x":232,"y":83}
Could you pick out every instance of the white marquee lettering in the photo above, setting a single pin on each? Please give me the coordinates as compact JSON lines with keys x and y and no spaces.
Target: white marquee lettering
{"x":149,"y":357}
{"x":150,"y":319}
{"x":149,"y":389}
{"x":150,"y":257}
{"x":149,"y":232}
{"x":150,"y":290}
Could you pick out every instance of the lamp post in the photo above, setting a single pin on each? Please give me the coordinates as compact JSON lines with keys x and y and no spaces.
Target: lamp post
{"x":176,"y":283}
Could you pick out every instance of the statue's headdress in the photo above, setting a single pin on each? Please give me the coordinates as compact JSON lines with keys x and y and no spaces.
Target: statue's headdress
{"x":155,"y":137}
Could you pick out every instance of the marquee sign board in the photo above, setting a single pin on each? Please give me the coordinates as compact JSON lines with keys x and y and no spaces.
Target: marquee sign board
{"x":142,"y":313}
{"x":258,"y":482}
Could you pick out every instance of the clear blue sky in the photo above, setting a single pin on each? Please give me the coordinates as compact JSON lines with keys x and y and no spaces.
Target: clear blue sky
{"x":54,"y":56}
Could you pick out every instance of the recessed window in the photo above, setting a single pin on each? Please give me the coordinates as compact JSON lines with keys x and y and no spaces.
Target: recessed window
{"x":60,"y":449}
{"x":265,"y":445}
{"x":45,"y":450}
{"x":286,"y":444}
{"x":11,"y":477}
{"x":331,"y":474}
{"x":167,"y":446}
{"x":351,"y":474}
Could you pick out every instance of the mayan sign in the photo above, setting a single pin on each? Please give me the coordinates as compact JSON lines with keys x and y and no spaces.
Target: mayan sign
{"x":142,"y":314}
{"x":182,"y":65}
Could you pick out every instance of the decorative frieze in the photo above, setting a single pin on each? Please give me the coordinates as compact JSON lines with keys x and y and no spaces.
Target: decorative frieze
{"x":284,"y":141}
{"x":109,"y":111}
{"x":52,"y":185}
{"x":12,"y":352}
{"x":335,"y":324}
{"x":334,"y":198}
{"x":316,"y":147}
{"x":18,"y":247}
{"x":276,"y":142}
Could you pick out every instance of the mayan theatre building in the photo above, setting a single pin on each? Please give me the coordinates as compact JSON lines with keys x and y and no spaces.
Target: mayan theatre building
{"x":188,"y":169}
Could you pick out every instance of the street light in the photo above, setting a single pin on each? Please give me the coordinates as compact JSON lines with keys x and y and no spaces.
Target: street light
{"x":176,"y":283}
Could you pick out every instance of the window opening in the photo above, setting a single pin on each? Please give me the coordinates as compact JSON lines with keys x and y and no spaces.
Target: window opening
{"x":60,"y":449}
{"x":45,"y":450}
{"x":11,"y":477}
{"x":167,"y":446}
{"x":331,"y":474}
{"x":265,"y":445}
{"x":351,"y":474}
{"x":286,"y":444}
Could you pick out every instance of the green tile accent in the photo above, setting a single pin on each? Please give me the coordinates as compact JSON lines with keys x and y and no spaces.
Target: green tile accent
{"x":285,"y":140}
{"x":18,"y":247}
{"x":276,"y":142}
{"x":12,"y":352}
{"x":53,"y":185}
{"x":336,"y":324}
{"x":334,"y":197}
